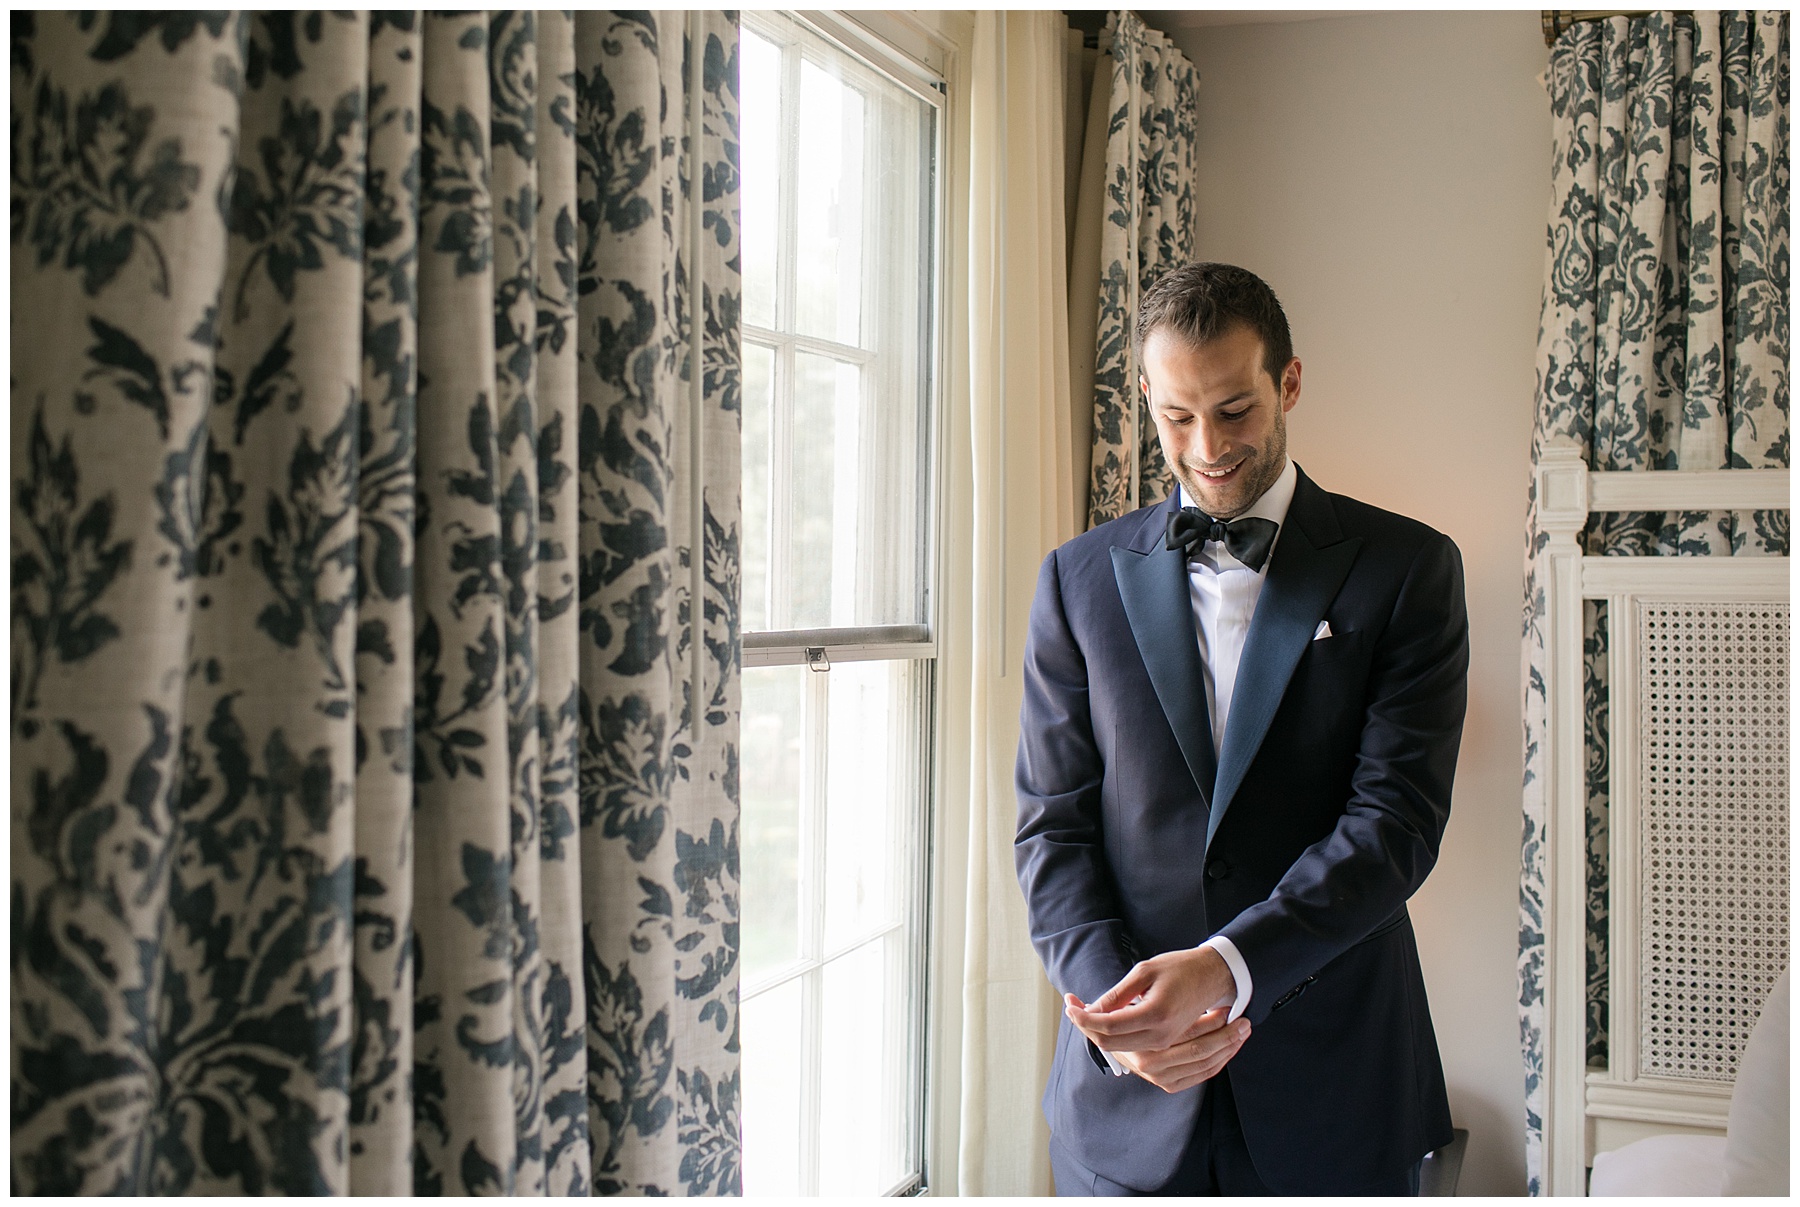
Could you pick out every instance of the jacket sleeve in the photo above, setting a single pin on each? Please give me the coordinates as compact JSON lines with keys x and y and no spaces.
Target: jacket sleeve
{"x":1384,"y":845}
{"x":1070,"y":897}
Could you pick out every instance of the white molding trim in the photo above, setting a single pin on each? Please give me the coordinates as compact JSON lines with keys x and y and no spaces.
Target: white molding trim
{"x":1624,"y":730}
{"x":904,"y":33}
{"x":1671,"y":578}
{"x":1568,"y":491}
{"x":1658,"y":1100}
{"x":906,"y":48}
{"x":1688,"y":490}
{"x":1565,"y":871}
{"x":1562,"y":491}
{"x":1610,"y":1134}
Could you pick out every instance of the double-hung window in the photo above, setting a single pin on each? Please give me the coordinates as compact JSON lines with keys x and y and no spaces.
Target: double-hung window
{"x":840,"y":259}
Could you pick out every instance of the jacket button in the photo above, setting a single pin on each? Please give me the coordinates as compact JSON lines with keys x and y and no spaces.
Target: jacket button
{"x":1218,"y":869}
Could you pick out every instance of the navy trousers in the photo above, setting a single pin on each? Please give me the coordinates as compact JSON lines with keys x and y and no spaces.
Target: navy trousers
{"x":1216,"y":1162}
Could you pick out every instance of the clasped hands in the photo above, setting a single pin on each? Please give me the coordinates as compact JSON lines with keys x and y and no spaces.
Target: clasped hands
{"x":1165,"y":1020}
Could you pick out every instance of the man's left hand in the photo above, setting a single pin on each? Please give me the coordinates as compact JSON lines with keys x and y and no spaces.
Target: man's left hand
{"x":1158,"y":1003}
{"x":1193,"y":1061}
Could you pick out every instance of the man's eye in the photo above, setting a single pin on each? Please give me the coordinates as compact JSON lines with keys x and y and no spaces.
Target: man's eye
{"x":1233,"y":416}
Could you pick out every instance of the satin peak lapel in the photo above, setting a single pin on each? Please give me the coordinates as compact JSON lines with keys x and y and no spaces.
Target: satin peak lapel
{"x":1309,"y":564}
{"x":1154,"y":589}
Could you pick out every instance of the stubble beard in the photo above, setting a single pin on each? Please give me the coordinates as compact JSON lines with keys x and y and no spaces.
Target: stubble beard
{"x":1262,"y":466}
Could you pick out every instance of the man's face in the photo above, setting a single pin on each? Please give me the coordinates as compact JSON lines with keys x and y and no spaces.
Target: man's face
{"x":1221,"y":419}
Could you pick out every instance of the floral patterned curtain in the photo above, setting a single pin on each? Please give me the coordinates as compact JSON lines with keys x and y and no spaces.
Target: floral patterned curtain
{"x":374,"y":614}
{"x":1148,"y":229}
{"x":1663,"y":344}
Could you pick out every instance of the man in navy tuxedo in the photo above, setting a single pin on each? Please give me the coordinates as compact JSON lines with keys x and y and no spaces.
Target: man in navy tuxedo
{"x":1242,"y":708}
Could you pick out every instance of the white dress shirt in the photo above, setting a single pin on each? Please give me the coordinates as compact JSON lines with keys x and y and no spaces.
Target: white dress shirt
{"x":1223,"y":592}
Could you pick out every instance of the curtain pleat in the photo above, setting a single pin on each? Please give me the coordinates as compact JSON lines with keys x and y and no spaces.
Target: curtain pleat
{"x":562,"y":1094}
{"x":1147,"y":230}
{"x":1021,"y":496}
{"x":1663,"y":344}
{"x":374,"y":670}
{"x":381,"y":1120}
{"x":463,"y":807}
{"x":1085,"y":238}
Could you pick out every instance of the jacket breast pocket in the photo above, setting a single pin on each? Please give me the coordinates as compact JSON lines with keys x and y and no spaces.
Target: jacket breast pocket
{"x":1339,"y":647}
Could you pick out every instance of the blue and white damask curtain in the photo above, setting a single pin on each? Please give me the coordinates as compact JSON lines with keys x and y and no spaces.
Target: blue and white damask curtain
{"x":374,"y":612}
{"x":1663,"y":344}
{"x":1148,"y":229}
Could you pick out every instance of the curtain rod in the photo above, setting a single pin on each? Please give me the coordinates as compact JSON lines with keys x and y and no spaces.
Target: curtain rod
{"x":1558,"y":23}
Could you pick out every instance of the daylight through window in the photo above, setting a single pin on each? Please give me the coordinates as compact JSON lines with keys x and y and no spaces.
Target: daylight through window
{"x":839,"y":248}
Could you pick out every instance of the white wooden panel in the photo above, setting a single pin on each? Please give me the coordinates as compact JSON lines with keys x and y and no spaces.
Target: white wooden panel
{"x":1610,"y":1134}
{"x":1624,"y":749}
{"x":1687,"y":490}
{"x":1686,"y":577}
{"x":1653,"y":1101}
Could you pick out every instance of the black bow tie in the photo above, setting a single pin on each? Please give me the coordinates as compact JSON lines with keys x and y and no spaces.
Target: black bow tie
{"x":1248,"y":538}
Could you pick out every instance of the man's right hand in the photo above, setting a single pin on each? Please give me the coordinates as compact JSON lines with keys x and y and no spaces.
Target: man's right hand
{"x":1156,"y":1004}
{"x":1204,"y":1048}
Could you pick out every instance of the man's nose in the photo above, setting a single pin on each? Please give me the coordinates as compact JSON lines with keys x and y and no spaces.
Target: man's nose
{"x":1211,"y":444}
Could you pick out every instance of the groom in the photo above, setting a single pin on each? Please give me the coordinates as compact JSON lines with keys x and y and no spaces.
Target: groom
{"x":1240,"y":724}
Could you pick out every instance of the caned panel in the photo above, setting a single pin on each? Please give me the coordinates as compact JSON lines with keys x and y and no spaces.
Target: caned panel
{"x":1713,"y":926}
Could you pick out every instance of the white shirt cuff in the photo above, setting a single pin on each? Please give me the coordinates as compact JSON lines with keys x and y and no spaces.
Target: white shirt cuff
{"x":1240,"y":973}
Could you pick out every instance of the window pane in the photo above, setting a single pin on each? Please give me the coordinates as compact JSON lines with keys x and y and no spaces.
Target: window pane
{"x":773,"y":746}
{"x":854,"y":551}
{"x":759,"y":394}
{"x":847,"y":505}
{"x":823,"y":507}
{"x":830,"y":285}
{"x":774,"y":1070}
{"x":871,"y":786}
{"x":759,"y":126}
{"x":864,"y":1124}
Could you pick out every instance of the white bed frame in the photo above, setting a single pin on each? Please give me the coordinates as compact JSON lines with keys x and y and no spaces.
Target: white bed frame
{"x":1653,"y":603}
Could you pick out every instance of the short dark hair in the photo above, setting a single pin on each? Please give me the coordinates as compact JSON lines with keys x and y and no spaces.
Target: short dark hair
{"x":1199,"y":302}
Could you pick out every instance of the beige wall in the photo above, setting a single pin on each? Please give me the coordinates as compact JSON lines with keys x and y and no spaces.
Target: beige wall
{"x":1389,"y":176}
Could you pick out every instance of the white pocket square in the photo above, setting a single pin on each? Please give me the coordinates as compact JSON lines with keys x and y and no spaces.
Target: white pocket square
{"x":1323,"y":631}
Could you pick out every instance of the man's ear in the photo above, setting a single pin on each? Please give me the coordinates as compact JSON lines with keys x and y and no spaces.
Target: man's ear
{"x":1144,"y":386}
{"x":1290,"y":385}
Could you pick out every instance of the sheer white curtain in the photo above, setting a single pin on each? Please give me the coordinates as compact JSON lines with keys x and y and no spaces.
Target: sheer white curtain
{"x":1010,"y":500}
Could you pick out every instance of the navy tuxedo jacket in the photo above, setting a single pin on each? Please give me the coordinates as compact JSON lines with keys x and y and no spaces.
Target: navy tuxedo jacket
{"x":1300,"y":840}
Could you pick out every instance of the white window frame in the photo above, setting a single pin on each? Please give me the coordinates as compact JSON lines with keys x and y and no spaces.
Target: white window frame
{"x":902,"y":56}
